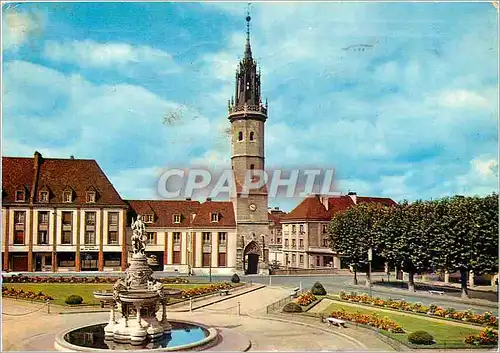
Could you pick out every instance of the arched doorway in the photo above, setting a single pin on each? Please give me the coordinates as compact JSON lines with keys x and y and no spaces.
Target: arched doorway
{"x":251,"y":258}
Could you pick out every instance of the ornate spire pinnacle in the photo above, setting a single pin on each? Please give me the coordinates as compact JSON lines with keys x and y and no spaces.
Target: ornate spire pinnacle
{"x":248,"y":49}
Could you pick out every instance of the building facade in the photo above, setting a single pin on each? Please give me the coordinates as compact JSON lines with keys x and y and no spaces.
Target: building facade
{"x":60,"y":215}
{"x":305,"y":242}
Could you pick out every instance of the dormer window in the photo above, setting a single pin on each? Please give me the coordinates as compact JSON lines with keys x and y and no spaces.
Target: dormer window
{"x":20,"y":196}
{"x":148,"y":218}
{"x":44,"y":196}
{"x":214,"y":217}
{"x":67,"y":196}
{"x":90,"y":196}
{"x":177,"y":218}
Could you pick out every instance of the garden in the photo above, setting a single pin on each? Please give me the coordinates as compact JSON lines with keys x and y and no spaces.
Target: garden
{"x":411,"y":324}
{"x":58,"y":289}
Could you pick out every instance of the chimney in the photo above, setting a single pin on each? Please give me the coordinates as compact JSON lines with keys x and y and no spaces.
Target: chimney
{"x":71,"y":157}
{"x":37,"y":161}
{"x":209,"y":199}
{"x":323,"y":200}
{"x":276,"y":208}
{"x":353,"y":197}
{"x":188,"y":199}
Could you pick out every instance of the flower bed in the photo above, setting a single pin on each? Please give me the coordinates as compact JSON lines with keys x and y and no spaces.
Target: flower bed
{"x":21,"y":294}
{"x":373,"y":320}
{"x":75,"y":279}
{"x":204,"y":289}
{"x":433,"y":310}
{"x":306,"y":299}
{"x":487,"y":337}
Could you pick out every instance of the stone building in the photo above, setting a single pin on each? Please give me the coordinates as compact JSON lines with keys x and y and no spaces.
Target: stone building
{"x":305,"y":241}
{"x":60,"y":215}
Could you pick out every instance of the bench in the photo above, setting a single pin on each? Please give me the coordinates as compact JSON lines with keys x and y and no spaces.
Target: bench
{"x":337,"y":322}
{"x":294,"y":292}
{"x":224,"y":291}
{"x":436,"y":292}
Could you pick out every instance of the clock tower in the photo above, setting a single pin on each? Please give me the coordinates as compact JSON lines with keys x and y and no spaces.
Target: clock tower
{"x":247,"y":115}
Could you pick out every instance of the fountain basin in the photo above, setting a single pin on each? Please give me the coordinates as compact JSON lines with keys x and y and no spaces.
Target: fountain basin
{"x":185,"y":335}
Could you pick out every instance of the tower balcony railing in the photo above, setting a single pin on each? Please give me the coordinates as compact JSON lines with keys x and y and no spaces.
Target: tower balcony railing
{"x":261,"y":108}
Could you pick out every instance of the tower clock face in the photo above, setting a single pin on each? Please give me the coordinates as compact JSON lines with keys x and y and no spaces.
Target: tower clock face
{"x":252,"y":207}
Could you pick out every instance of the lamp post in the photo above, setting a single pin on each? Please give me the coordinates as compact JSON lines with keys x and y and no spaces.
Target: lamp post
{"x":370,"y":255}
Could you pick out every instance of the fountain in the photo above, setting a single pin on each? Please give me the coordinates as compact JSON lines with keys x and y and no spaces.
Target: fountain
{"x":138,"y":297}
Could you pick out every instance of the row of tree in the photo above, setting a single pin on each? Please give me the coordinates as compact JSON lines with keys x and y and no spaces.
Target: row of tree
{"x":449,"y":234}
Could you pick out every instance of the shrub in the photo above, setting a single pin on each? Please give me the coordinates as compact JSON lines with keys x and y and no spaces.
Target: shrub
{"x":420,"y":337}
{"x":318,"y":289}
{"x":292,"y":307}
{"x":235,"y":278}
{"x":74,"y":299}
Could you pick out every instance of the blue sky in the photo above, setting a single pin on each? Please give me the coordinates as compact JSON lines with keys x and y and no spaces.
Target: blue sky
{"x":413,"y":115}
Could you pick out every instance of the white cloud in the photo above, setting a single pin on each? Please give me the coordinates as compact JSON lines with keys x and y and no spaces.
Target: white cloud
{"x":463,"y":98}
{"x":485,"y":167}
{"x":91,"y":54}
{"x":19,"y":27}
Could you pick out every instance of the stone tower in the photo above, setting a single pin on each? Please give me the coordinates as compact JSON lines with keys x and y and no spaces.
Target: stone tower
{"x":247,"y":115}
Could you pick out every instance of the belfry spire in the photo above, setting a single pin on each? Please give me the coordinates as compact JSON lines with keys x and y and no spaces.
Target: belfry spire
{"x":248,"y":48}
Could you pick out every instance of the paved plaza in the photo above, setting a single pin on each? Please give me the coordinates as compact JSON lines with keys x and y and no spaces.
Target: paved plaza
{"x":36,"y":330}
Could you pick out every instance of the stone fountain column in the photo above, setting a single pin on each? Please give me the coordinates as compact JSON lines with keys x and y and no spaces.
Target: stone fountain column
{"x":138,"y":334}
{"x":110,"y":327}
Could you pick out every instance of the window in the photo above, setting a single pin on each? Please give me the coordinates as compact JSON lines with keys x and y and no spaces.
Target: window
{"x":286,"y":259}
{"x":301,"y":229}
{"x":113,"y":218}
{"x":177,"y":257}
{"x":286,"y":242}
{"x":19,"y":217}
{"x":20,"y":194}
{"x":90,"y":196}
{"x":293,"y":243}
{"x":44,"y":196}
{"x":318,"y":261}
{"x":66,"y":238}
{"x":222,"y":259}
{"x":294,"y":229}
{"x":294,"y":258}
{"x":325,"y":228}
{"x":240,"y":136}
{"x":177,"y":218}
{"x":112,"y":237}
{"x":301,"y":259}
{"x":278,"y":240}
{"x":206,"y":260}
{"x":325,"y":242}
{"x":19,"y":237}
{"x":215,"y":217}
{"x":152,"y":238}
{"x":67,"y":196}
{"x":252,"y":166}
{"x":301,"y":243}
{"x":90,"y":218}
{"x":67,"y":218}
{"x":222,"y":238}
{"x":206,"y":237}
{"x":43,"y":237}
{"x":43,"y":217}
{"x":177,"y":237}
{"x":89,"y":238}
{"x":251,"y":136}
{"x":149,"y":218}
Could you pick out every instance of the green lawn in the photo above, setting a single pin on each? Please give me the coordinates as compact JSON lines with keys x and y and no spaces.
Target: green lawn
{"x":60,"y":291}
{"x":444,"y":333}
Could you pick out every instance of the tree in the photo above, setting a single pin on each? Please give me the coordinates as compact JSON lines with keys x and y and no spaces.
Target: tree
{"x":405,"y":231}
{"x":355,"y":231}
{"x":469,"y":237}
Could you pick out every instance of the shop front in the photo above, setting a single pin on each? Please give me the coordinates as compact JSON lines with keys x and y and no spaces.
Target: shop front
{"x":43,"y":262}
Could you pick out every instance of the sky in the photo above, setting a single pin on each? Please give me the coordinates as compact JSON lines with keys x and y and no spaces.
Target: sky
{"x":401,"y":99}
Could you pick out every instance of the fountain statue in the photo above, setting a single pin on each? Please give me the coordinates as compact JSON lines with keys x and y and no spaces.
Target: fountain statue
{"x":137,"y":297}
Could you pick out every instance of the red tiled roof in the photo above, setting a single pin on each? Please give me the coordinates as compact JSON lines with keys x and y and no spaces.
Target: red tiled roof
{"x":310,"y":208}
{"x":164,"y":211}
{"x":58,"y":175}
{"x":338,"y":204}
{"x":383,"y":200}
{"x":226,"y":215}
{"x":275,"y":217}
